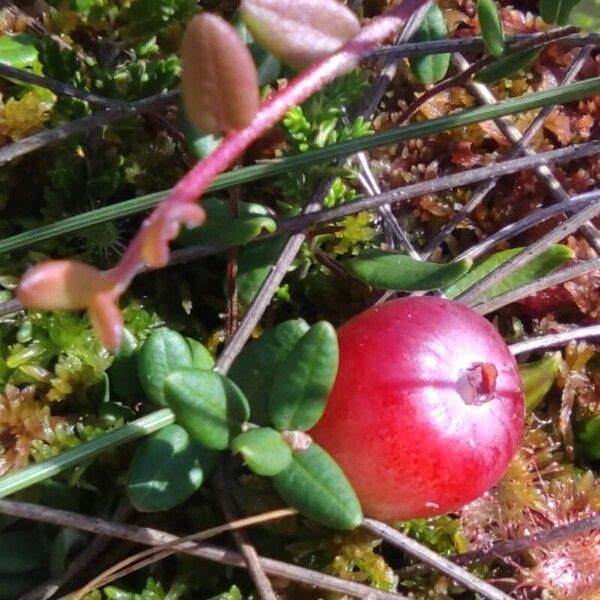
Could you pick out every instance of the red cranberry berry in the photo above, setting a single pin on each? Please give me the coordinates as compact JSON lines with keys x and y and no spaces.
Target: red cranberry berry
{"x":427,"y":408}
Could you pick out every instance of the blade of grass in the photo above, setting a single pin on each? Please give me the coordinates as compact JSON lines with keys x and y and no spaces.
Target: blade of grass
{"x":19,"y":480}
{"x":429,"y":557}
{"x":562,"y":275}
{"x":570,"y":93}
{"x":510,"y":266}
{"x":302,"y":222}
{"x":154,"y":537}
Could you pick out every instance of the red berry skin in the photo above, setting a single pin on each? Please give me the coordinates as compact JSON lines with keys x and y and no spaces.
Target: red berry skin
{"x":412,"y":439}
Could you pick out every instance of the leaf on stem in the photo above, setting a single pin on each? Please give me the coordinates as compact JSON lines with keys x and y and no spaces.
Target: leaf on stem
{"x":219,"y":79}
{"x":557,"y":11}
{"x":393,"y":271}
{"x":210,"y":406}
{"x":491,"y":26}
{"x":167,"y":469}
{"x":59,"y":285}
{"x":304,"y":379}
{"x":264,"y":451}
{"x":299,"y":32}
{"x":315,"y":485}
{"x":163,"y":227}
{"x":432,"y":67}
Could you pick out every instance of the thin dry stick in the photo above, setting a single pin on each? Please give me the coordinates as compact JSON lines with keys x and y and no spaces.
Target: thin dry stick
{"x":546,"y":176}
{"x":58,"y":87}
{"x":261,"y":581}
{"x":522,"y":258}
{"x":555,"y":339}
{"x":499,"y":550}
{"x":90,"y":553}
{"x":473,"y":43}
{"x":463,"y":77}
{"x":520,"y":143}
{"x":265,"y":294}
{"x":165,"y":550}
{"x":535,"y":218}
{"x":431,"y":558}
{"x":524,"y":291}
{"x":154,"y":537}
{"x":405,"y":193}
{"x":51,"y":136}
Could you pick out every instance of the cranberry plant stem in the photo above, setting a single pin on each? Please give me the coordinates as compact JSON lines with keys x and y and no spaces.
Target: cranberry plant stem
{"x":195,"y":182}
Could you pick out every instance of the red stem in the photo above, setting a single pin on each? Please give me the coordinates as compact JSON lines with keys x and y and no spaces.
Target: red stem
{"x":194,"y":183}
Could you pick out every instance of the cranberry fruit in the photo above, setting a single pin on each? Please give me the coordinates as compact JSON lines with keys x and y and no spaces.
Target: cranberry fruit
{"x":427,"y":408}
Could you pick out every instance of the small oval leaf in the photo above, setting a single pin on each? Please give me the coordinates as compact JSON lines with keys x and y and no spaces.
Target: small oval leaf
{"x":431,"y":68}
{"x":211,"y":407}
{"x":254,"y":263}
{"x":318,"y":488}
{"x":299,"y":32}
{"x":219,"y":79}
{"x":557,"y":12}
{"x":222,"y":228}
{"x":163,"y":352}
{"x":201,"y":357}
{"x":259,"y":362}
{"x":491,"y":26}
{"x":123,"y":376}
{"x":393,"y":271}
{"x":538,"y":378}
{"x":304,"y":380}
{"x":167,"y":469}
{"x":18,"y":50}
{"x":264,"y":450}
{"x":541,"y":265}
{"x":507,"y":66}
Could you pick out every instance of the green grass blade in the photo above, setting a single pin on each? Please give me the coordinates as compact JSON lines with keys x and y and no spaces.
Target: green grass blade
{"x":569,"y":93}
{"x":19,"y":480}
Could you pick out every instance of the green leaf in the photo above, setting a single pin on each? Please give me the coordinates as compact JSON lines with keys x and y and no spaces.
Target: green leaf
{"x":254,"y":263}
{"x":393,"y":271}
{"x":18,"y":50}
{"x":21,"y":551}
{"x":586,"y":15}
{"x":541,"y":265}
{"x":272,"y":168}
{"x":219,"y":82}
{"x":233,"y":594}
{"x":491,"y":26}
{"x":123,"y":375}
{"x":264,"y":451}
{"x":507,"y":66}
{"x":211,"y":407}
{"x":201,"y":357}
{"x":222,"y":228}
{"x":199,"y":143}
{"x":303,"y":381}
{"x":299,"y":32}
{"x":538,"y":377}
{"x":318,"y":488}
{"x":167,"y":469}
{"x":162,"y":353}
{"x":255,"y":368}
{"x":557,"y":12}
{"x":433,"y":67}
